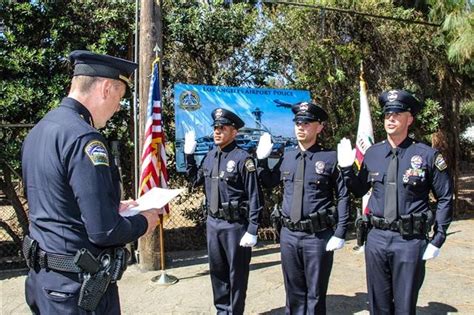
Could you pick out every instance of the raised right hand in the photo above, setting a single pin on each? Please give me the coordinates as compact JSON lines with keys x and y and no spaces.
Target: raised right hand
{"x":152,"y":218}
{"x":345,"y":153}
{"x":264,"y":147}
{"x":190,"y":142}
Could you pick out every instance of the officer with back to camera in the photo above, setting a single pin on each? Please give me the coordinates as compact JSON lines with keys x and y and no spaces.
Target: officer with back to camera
{"x":312,"y":228}
{"x":401,"y":173}
{"x":233,"y":206}
{"x":76,"y":235}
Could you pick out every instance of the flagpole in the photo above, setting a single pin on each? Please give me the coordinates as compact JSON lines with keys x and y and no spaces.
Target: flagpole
{"x":164,"y":279}
{"x":135,"y":107}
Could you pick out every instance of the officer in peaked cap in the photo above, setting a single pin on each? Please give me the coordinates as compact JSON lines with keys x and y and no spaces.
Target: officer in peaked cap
{"x":397,"y":101}
{"x":401,"y":173}
{"x":90,"y":64}
{"x":233,"y":205}
{"x":224,"y":117}
{"x":308,"y":112}
{"x":314,"y":211}
{"x":74,"y":197}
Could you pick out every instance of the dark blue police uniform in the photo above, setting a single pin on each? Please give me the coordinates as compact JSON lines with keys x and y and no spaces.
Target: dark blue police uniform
{"x":393,"y":252}
{"x":239,"y":206}
{"x":73,"y":191}
{"x":306,"y":263}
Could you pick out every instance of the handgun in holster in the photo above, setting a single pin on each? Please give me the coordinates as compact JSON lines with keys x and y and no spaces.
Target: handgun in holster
{"x":275,"y":217}
{"x":99,"y":273}
{"x":362,"y":225}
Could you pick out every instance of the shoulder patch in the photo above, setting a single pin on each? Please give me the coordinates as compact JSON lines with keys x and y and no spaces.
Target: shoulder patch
{"x":440,"y":163}
{"x":97,"y":153}
{"x":250,"y":165}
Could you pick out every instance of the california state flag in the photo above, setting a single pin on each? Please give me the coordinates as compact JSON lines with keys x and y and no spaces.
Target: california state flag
{"x":365,"y":133}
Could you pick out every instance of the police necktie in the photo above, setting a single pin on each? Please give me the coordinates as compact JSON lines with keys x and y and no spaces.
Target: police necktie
{"x":297,"y":202}
{"x":391,"y":189}
{"x":214,"y":206}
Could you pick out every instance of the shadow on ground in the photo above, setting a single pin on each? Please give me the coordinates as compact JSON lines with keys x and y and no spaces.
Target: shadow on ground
{"x":346,"y":305}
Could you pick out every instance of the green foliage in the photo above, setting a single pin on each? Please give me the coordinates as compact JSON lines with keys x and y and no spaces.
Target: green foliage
{"x":37,"y":39}
{"x":458,"y":30}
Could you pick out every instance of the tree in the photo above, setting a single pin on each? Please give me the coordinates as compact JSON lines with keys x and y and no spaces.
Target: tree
{"x":36,"y":40}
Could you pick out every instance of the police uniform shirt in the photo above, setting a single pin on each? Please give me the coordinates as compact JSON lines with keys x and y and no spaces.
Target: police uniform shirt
{"x":238,"y":179}
{"x":421,"y":169}
{"x":323,"y":184}
{"x":73,"y":185}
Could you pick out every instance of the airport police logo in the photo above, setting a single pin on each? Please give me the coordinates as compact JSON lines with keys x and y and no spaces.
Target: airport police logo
{"x":392,"y":95}
{"x":218,"y":113}
{"x":189,"y":100}
{"x":303,"y":107}
{"x":319,"y":167}
{"x":97,"y":153}
{"x":230,"y":167}
{"x":416,"y":161}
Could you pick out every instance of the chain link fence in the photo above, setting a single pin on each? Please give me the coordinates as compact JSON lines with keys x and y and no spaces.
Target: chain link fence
{"x":184,"y":227}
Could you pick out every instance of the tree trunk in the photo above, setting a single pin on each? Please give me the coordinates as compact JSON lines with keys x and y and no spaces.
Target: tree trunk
{"x":6,"y":185}
{"x":150,"y":36}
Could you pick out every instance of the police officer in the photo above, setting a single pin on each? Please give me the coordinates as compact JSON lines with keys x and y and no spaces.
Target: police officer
{"x":73,"y":192}
{"x":233,"y":206}
{"x":401,"y":172}
{"x":312,"y":228}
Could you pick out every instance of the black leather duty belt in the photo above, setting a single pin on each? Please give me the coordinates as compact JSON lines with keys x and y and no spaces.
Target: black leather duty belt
{"x":35,"y":256}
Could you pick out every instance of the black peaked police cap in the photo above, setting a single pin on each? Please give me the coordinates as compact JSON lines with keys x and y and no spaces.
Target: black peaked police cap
{"x":223,"y":117}
{"x":91,"y":64}
{"x":308,"y":112}
{"x":397,"y":101}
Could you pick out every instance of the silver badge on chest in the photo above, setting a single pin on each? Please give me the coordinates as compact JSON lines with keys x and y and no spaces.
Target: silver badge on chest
{"x":319,"y":167}
{"x":230,"y":167}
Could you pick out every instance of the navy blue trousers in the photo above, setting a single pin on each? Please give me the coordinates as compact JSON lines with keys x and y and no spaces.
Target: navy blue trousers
{"x":49,"y":292}
{"x":306,"y":269}
{"x":228,"y":265}
{"x":395,"y":271}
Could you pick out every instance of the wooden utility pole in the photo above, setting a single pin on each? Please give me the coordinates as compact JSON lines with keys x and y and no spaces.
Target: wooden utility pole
{"x":150,"y":36}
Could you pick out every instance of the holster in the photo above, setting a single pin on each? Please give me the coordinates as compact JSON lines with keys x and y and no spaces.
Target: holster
{"x":30,"y":251}
{"x":112,"y":265}
{"x":275,"y":217}
{"x":362,"y":227}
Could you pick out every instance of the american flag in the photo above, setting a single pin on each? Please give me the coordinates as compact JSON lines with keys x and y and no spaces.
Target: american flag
{"x":153,"y":167}
{"x":365,"y":134}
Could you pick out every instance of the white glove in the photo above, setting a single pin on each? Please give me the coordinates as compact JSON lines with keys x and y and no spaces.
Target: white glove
{"x":345,"y":153}
{"x":334,"y":243}
{"x":430,"y":252}
{"x":264,"y":147}
{"x":248,"y":240}
{"x":190,"y":142}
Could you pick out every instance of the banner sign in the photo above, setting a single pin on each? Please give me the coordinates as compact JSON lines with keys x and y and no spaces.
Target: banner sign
{"x":262,"y":110}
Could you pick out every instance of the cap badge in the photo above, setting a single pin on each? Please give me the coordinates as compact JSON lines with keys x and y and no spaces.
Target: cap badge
{"x":392,"y":95}
{"x":218,"y":113}
{"x":319,"y":167}
{"x":230,"y":166}
{"x":303,"y":107}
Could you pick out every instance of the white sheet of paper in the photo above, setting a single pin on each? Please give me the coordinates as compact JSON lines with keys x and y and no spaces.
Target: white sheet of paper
{"x":153,"y":199}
